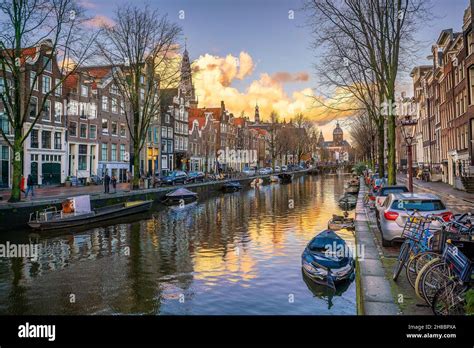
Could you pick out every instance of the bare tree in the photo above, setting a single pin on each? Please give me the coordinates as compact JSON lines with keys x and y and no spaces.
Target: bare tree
{"x":363,"y":132}
{"x":377,"y":34}
{"x":273,"y":137}
{"x":142,"y":46}
{"x":49,"y":28}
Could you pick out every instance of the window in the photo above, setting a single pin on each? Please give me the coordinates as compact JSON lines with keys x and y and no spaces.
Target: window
{"x":59,"y":88}
{"x":122,"y":107}
{"x":170,"y":146}
{"x":163,"y":132}
{"x":57,"y":141}
{"x":34,"y":141}
{"x":33,"y":82}
{"x":84,"y":91}
{"x":142,"y":94}
{"x":122,"y":152}
{"x":114,"y":128}
{"x":46,"y":84}
{"x":92,"y":110}
{"x":82,"y":110}
{"x":83,"y":131}
{"x":105,"y":126}
{"x":82,"y":157}
{"x":113,"y":151}
{"x":104,"y":153}
{"x":155,"y":134}
{"x":33,"y":107}
{"x":92,"y":131}
{"x":105,"y":104}
{"x":58,"y":108}
{"x":4,"y":124}
{"x":47,"y":61}
{"x":167,"y":118}
{"x":123,"y":130}
{"x":114,"y":106}
{"x":47,"y":111}
{"x":73,"y":108}
{"x":45,"y":139}
{"x":163,"y":145}
{"x":72,"y":129}
{"x":170,"y":132}
{"x":114,"y":89}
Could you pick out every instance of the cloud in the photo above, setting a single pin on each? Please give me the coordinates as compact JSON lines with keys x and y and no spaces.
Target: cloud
{"x":284,"y":77}
{"x":213,"y":77}
{"x":88,"y":4}
{"x":99,"y":21}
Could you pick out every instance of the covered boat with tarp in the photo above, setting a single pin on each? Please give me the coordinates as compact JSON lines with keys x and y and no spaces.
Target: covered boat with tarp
{"x":285,"y":178}
{"x":232,"y":186}
{"x":327,"y":259}
{"x":180,"y":196}
{"x":348,"y":201}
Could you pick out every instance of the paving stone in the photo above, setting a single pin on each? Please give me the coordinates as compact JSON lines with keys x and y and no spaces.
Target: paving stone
{"x":380,"y":308}
{"x":371,"y":252}
{"x":376,"y":288}
{"x":371,"y":267}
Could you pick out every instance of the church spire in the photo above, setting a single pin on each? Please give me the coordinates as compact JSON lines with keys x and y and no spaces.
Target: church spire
{"x":257,"y":113}
{"x":186,"y":88}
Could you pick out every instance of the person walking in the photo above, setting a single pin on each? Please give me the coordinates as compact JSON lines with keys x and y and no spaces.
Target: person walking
{"x":106,"y":183}
{"x":114,"y":183}
{"x":29,"y":186}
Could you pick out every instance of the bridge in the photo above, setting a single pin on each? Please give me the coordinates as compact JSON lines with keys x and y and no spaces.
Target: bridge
{"x":332,"y":168}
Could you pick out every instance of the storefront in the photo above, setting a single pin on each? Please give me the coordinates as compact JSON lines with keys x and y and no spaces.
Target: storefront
{"x":4,"y":166}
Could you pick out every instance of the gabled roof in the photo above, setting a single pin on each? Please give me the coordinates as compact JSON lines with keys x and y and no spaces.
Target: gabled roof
{"x":240,"y":121}
{"x":201,"y":112}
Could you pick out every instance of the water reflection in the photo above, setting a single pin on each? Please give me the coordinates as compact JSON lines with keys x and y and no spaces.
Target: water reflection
{"x":236,"y":253}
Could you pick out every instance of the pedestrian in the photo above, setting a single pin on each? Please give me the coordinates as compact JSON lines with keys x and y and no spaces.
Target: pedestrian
{"x":29,"y":186}
{"x":114,"y":183}
{"x":22,"y":184}
{"x":106,"y":183}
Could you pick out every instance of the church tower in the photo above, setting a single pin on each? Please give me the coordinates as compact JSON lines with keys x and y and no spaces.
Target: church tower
{"x":337,"y":135}
{"x":257,"y":114}
{"x":186,"y":88}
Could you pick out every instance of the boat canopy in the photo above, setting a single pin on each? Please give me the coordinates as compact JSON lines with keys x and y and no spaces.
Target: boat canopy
{"x":181,"y":192}
{"x":77,"y":205}
{"x":325,"y":238}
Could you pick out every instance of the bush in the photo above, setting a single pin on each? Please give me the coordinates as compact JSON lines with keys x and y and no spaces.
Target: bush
{"x":469,"y":302}
{"x":359,"y":168}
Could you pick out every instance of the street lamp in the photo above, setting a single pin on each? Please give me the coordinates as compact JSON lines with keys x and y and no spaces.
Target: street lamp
{"x":408,"y":125}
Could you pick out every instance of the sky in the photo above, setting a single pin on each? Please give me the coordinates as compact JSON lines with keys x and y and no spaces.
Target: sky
{"x":259,"y":51}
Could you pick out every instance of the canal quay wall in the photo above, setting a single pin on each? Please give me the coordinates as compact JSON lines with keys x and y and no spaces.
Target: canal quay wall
{"x":16,"y":215}
{"x":374,"y":295}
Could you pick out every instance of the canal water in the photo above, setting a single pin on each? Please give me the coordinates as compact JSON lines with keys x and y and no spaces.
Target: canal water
{"x":236,"y":253}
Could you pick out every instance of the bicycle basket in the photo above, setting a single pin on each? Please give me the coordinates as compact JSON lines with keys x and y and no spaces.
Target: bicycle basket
{"x":415,"y":227}
{"x":458,"y":256}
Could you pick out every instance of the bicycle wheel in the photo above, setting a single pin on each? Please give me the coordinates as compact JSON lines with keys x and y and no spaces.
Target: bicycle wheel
{"x":402,"y":259}
{"x":416,"y":263}
{"x":421,"y":273}
{"x":438,"y":276}
{"x":449,"y":300}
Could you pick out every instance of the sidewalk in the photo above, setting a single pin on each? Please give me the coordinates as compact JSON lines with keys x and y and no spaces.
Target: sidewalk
{"x":439,"y":188}
{"x":61,"y":191}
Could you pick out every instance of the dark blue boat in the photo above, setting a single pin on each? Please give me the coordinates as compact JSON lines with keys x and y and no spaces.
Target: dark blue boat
{"x":327,"y":259}
{"x":232,"y":186}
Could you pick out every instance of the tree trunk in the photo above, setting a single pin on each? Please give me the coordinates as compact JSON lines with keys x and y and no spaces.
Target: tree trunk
{"x":136,"y":167}
{"x":381,"y":147}
{"x":17,"y":167}
{"x":392,"y":166}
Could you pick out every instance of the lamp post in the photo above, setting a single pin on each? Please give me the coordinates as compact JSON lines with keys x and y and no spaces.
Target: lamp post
{"x":408,"y":125}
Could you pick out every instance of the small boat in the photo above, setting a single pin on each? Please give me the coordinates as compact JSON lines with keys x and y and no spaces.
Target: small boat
{"x":353,"y":190}
{"x":354,"y":182}
{"x":339,"y":222}
{"x":232,"y":186}
{"x":348,"y":201}
{"x":327,"y":260}
{"x":179,"y":197}
{"x":256,"y":182}
{"x":285,"y":178}
{"x":76,"y":211}
{"x":274,"y":178}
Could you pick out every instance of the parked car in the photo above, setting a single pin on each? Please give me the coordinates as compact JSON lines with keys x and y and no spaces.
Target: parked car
{"x":96,"y":180}
{"x":398,"y":206}
{"x":269,"y":170}
{"x":175,"y":177}
{"x":249,"y":171}
{"x":277,"y":169}
{"x":383,"y":193}
{"x":377,"y":184}
{"x":196,"y":177}
{"x":284,"y":168}
{"x":263,"y":171}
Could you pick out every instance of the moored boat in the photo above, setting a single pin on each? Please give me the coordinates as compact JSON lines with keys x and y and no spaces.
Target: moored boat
{"x":327,"y":259}
{"x":274,"y":178}
{"x":352,"y":190}
{"x":348,"y":201}
{"x":232,"y":186}
{"x":179,"y":197}
{"x":285,"y":178}
{"x":76,"y":211}
{"x":256,"y":182}
{"x":339,"y":222}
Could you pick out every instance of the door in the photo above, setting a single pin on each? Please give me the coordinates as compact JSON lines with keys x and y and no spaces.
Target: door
{"x":51,"y":173}
{"x":34,"y":172}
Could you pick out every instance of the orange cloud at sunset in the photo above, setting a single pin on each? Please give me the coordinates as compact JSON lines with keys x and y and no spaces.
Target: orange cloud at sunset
{"x":213,"y":77}
{"x":99,"y":21}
